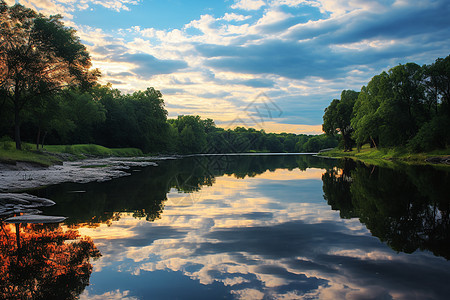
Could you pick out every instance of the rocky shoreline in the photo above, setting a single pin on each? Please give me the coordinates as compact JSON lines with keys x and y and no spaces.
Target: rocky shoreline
{"x":23,"y":176}
{"x":439,"y":160}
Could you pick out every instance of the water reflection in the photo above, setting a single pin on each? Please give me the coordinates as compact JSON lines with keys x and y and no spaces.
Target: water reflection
{"x":408,"y":207}
{"x":145,"y":193}
{"x":258,"y":228}
{"x":47,"y":265}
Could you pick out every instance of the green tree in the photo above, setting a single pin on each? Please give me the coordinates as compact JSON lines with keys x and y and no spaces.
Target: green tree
{"x":192,"y":135}
{"x":45,"y":115}
{"x":134,"y":120}
{"x":151,"y":118}
{"x":408,"y":101}
{"x":337,"y":118}
{"x":316,"y":143}
{"x":392,"y":108}
{"x":367,"y":118}
{"x":437,"y":77}
{"x":273,"y":143}
{"x":38,"y":56}
{"x":83,"y":112}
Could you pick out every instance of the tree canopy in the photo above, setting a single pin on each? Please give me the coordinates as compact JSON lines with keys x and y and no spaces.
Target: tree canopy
{"x":408,"y":106}
{"x":337,"y":117}
{"x":38,"y":56}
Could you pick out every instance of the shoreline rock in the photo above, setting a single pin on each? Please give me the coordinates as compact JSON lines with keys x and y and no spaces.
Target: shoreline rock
{"x":25,"y":176}
{"x":439,"y":160}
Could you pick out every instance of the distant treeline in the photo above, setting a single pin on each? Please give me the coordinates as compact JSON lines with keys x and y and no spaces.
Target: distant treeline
{"x":105,"y":116}
{"x":408,"y":106}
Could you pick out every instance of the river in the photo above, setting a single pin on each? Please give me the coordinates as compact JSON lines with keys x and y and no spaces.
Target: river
{"x":258,"y":227}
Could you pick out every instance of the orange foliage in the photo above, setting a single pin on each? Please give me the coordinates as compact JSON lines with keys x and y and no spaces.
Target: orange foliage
{"x":50,"y":264}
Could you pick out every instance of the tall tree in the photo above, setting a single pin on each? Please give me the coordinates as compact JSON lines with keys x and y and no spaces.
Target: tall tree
{"x":409,"y":98}
{"x":151,"y":118}
{"x":391,"y":109}
{"x":192,"y":136}
{"x":38,"y":56}
{"x":367,"y":120}
{"x":338,"y":115}
{"x":438,"y":82}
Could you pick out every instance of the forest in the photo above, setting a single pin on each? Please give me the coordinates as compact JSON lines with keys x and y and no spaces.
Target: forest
{"x":105,"y":116}
{"x":407,"y":107}
{"x":49,"y":94}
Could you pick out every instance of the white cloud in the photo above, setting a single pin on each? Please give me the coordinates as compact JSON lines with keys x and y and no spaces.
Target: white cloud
{"x":48,"y":7}
{"x":116,"y":5}
{"x":112,"y":295}
{"x":273,"y":16}
{"x":248,"y":4}
{"x":294,"y":3}
{"x":248,"y":294}
{"x":203,"y":24}
{"x":83,"y":6}
{"x":235,"y":17}
{"x":68,"y":7}
{"x":341,"y":7}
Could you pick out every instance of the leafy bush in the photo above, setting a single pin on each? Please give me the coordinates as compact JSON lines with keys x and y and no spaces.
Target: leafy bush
{"x":68,"y":149}
{"x":6,"y":138}
{"x":432,"y":135}
{"x":27,"y":147}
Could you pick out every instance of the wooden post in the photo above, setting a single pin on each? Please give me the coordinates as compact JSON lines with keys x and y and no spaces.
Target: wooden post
{"x":18,"y":236}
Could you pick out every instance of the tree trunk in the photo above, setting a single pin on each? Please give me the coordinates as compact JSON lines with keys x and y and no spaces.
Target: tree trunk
{"x":38,"y":138}
{"x":17,"y":117}
{"x":18,"y":236}
{"x":17,"y":127}
{"x":43,"y":139}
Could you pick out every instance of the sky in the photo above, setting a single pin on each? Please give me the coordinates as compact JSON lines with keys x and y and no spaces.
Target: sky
{"x":267,"y":64}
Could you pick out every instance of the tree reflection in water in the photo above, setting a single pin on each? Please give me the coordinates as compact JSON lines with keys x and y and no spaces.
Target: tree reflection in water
{"x":52,"y":263}
{"x":145,"y":193}
{"x":407,"y":207}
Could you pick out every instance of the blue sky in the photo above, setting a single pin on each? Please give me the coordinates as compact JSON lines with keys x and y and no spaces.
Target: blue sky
{"x":214,"y":58}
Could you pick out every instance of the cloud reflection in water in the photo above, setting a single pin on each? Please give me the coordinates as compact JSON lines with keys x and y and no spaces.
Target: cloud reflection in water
{"x":271,"y":236}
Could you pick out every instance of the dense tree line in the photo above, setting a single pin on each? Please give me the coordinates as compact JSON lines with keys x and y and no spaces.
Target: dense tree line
{"x":108,"y":117}
{"x":408,"y":106}
{"x":194,"y":135}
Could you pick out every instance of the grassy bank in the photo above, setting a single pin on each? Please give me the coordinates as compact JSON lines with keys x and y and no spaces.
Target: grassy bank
{"x":91,"y":149}
{"x":11,"y":156}
{"x":387,"y":156}
{"x":52,"y":154}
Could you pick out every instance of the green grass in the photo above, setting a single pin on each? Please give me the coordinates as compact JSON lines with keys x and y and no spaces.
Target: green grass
{"x":91,"y":149}
{"x":9,"y":155}
{"x":386,"y":156}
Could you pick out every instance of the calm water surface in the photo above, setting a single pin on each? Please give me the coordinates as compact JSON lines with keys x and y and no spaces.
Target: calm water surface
{"x":264,"y":227}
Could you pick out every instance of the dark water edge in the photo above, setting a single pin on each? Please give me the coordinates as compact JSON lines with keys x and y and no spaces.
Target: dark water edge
{"x":264,"y":227}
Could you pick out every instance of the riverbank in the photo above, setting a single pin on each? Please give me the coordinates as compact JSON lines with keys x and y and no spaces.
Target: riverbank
{"x":55,"y":154}
{"x":389,"y":156}
{"x":27,"y":169}
{"x":23,"y":176}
